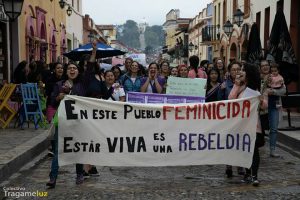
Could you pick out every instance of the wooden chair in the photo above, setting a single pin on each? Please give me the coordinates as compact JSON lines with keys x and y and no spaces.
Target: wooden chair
{"x":6,"y":112}
{"x":31,"y":107}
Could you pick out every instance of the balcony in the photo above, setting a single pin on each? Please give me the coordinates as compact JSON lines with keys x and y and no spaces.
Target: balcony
{"x":211,"y":34}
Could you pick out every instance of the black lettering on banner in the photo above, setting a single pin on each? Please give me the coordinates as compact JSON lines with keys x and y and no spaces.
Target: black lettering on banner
{"x":112,"y":146}
{"x":77,"y":147}
{"x":69,"y":109}
{"x":66,"y":139}
{"x":127,"y":109}
{"x":83,"y":114}
{"x":131,"y":144}
{"x":155,"y":135}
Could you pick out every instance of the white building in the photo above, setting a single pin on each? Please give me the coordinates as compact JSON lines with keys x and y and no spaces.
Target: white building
{"x":74,"y":25}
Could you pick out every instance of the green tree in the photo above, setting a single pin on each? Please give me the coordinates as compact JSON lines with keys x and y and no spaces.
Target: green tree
{"x":154,"y":36}
{"x":129,"y":34}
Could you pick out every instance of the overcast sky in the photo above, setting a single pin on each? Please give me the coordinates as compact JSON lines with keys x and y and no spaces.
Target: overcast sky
{"x":153,"y":11}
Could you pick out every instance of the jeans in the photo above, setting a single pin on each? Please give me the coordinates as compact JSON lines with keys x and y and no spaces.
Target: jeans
{"x":273,"y":121}
{"x":54,"y":164}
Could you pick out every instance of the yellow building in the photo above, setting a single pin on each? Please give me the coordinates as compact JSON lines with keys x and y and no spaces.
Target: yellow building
{"x":42,"y":31}
{"x":175,"y":49}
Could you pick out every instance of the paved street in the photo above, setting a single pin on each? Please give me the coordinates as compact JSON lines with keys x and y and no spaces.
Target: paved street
{"x":280,"y":179}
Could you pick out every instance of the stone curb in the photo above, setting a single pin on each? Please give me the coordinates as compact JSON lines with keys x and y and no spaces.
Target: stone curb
{"x":291,"y":143}
{"x":22,"y":154}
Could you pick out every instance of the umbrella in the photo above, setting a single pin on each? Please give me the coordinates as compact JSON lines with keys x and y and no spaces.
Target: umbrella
{"x":254,"y":50}
{"x":280,"y":48}
{"x":103,"y":51}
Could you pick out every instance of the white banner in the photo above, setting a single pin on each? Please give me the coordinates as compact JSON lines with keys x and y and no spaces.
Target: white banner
{"x":107,"y":133}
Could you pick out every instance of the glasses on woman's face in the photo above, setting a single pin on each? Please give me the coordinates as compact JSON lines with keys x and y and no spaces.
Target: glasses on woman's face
{"x":72,"y":68}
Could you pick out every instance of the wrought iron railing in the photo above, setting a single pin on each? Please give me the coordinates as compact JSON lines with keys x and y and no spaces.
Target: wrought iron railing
{"x":211,"y":33}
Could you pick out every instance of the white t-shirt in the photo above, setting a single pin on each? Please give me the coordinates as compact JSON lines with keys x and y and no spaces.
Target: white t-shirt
{"x":118,"y":92}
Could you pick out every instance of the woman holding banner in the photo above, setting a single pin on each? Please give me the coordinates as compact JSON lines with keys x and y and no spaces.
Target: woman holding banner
{"x":249,"y":78}
{"x":183,"y":71}
{"x":233,"y":68}
{"x":73,"y":85}
{"x":112,"y":90}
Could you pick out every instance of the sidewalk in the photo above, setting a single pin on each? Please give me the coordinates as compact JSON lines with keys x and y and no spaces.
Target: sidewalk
{"x":290,"y":140}
{"x":18,"y":147}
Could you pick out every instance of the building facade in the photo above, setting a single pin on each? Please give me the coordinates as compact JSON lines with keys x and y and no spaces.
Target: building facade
{"x":176,"y":33}
{"x":74,"y":27}
{"x":91,"y":31}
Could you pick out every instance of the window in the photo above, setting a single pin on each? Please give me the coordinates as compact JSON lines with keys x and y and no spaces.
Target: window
{"x":246,"y":8}
{"x":224,"y":12}
{"x":219,"y":13}
{"x":73,"y":3}
{"x":215,"y":14}
{"x":258,"y":21}
{"x":78,"y":5}
{"x":267,"y":27}
{"x":280,"y":4}
{"x":234,"y":6}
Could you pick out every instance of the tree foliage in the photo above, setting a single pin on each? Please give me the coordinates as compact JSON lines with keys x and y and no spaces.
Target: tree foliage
{"x":154,"y":36}
{"x":129,"y":34}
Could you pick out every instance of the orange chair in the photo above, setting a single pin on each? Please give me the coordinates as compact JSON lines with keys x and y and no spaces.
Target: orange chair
{"x":6,"y":112}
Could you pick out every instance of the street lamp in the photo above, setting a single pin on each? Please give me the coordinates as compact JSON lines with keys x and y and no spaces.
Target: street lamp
{"x":228,"y":27}
{"x":69,"y":11}
{"x":191,"y":46}
{"x":238,"y":17}
{"x":12,"y":9}
{"x":62,"y":4}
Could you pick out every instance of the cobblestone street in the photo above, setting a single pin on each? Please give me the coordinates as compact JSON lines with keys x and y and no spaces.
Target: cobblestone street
{"x":280,"y":179}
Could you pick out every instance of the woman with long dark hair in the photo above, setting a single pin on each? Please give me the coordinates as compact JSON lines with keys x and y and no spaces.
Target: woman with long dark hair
{"x":74,"y":84}
{"x":249,"y":77}
{"x":213,"y":85}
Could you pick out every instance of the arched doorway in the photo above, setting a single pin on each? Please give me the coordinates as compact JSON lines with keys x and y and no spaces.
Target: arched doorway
{"x":30,"y":40}
{"x":43,"y":44}
{"x":53,"y":49}
{"x":233,"y":52}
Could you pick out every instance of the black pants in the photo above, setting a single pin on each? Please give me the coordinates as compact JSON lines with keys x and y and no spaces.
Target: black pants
{"x":255,"y":162}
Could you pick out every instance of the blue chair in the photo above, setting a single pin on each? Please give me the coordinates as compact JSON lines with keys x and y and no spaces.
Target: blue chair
{"x":31,"y":107}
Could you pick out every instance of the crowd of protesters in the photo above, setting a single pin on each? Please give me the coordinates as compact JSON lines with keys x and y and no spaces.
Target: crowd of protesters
{"x":223,"y":83}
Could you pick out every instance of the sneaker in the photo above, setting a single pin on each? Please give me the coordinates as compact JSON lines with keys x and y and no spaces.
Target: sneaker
{"x":255,"y":182}
{"x":79,"y":179}
{"x":240,"y":171}
{"x":247,"y":178}
{"x":93,"y":171}
{"x":86,"y":175}
{"x":51,"y":184}
{"x":50,"y":154}
{"x":273,"y":154}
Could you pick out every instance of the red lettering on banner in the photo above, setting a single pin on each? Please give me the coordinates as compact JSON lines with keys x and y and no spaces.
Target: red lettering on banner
{"x":218,"y":110}
{"x":235,"y":109}
{"x":246,"y":105}
{"x":165,"y":110}
{"x":178,"y":109}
